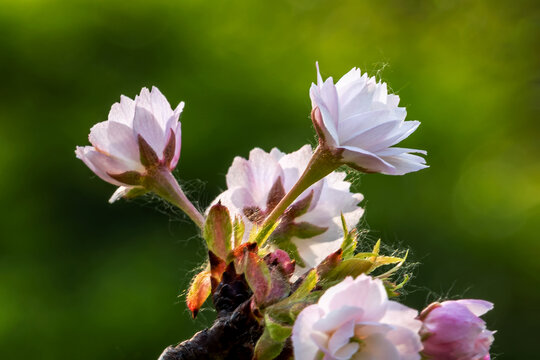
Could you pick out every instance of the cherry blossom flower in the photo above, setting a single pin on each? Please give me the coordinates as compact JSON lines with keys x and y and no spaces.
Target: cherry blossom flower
{"x":138,"y":147}
{"x":360,"y":121}
{"x":310,"y":228}
{"x":452,"y":330}
{"x":355,"y":320}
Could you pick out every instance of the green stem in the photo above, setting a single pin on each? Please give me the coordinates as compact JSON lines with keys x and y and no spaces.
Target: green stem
{"x":163,"y":183}
{"x":321,"y":164}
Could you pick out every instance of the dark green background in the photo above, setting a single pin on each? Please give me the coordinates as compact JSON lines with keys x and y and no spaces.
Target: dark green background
{"x":82,"y":279}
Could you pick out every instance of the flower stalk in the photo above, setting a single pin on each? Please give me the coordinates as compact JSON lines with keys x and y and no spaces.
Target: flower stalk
{"x":164,"y":184}
{"x":322,"y":163}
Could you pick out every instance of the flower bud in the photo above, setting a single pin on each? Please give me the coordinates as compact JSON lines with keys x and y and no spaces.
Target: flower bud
{"x":452,"y":330}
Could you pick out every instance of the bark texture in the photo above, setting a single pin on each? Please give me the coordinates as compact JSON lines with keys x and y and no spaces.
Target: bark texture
{"x":235,"y":331}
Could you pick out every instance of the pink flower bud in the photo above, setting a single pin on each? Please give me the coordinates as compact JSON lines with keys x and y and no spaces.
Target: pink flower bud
{"x":452,"y":330}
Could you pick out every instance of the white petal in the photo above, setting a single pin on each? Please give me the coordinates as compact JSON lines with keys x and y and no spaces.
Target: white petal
{"x":99,"y":136}
{"x":146,"y":125}
{"x":406,"y":342}
{"x":334,"y":319}
{"x":119,"y":193}
{"x":123,"y":144}
{"x":404,"y":163}
{"x":406,"y":128}
{"x":294,"y":164}
{"x":366,"y":160}
{"x":364,"y":293}
{"x":156,"y":103}
{"x":123,"y":112}
{"x":347,"y":351}
{"x":303,"y":344}
{"x":398,"y":314}
{"x":355,"y":124}
{"x":101,"y":164}
{"x":371,"y":138}
{"x":341,"y":337}
{"x":178,"y":146}
{"x":377,"y":347}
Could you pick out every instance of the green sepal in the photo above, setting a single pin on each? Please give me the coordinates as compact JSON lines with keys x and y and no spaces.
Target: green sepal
{"x":267,"y":348}
{"x":278,"y":331}
{"x":218,"y":231}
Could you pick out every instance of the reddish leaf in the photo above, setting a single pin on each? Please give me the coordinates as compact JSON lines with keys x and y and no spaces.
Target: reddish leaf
{"x":217,"y":267}
{"x":198,"y":292}
{"x":258,"y":276}
{"x":218,"y":231}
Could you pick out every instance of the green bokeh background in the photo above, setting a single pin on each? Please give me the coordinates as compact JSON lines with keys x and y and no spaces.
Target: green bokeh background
{"x":82,"y":279}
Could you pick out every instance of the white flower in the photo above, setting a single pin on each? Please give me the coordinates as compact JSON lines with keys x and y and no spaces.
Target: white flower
{"x":312,"y":223}
{"x":139,"y":135}
{"x":358,"y":118}
{"x":355,"y":320}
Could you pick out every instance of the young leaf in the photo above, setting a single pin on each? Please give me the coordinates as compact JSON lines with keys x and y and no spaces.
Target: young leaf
{"x":279,"y":285}
{"x":308,"y":284}
{"x":384,"y":260}
{"x":395,"y":268}
{"x":350,"y":267}
{"x":238,"y":231}
{"x":218,"y":231}
{"x":198,"y":292}
{"x":329,"y":263}
{"x":349,"y":240}
{"x":377,"y":247}
{"x":257,"y":276}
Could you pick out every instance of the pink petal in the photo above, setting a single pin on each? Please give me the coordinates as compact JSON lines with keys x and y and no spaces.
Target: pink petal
{"x":401,"y":315}
{"x":341,"y":337}
{"x":366,"y":160}
{"x":356,"y":124}
{"x":406,"y":128}
{"x":156,"y":104}
{"x":372,"y":137}
{"x":123,"y":112}
{"x":145,"y":124}
{"x":377,"y":347}
{"x":101,"y":164}
{"x":405,"y":163}
{"x":178,"y":132}
{"x":477,"y":307}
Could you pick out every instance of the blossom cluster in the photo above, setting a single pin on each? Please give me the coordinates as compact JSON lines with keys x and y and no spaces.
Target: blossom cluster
{"x":286,"y":233}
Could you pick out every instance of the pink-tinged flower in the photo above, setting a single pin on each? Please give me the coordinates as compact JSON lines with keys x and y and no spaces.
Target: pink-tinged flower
{"x":452,"y":330}
{"x":138,"y":147}
{"x":310,"y":228}
{"x":355,"y":320}
{"x":359,"y":121}
{"x":139,"y":136}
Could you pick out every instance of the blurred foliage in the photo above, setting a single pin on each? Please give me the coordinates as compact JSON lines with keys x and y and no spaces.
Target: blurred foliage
{"x":83,"y":279}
